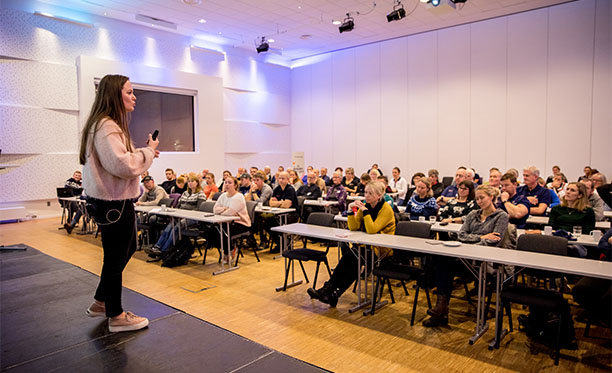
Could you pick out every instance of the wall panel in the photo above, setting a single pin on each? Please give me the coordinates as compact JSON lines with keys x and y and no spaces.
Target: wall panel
{"x":322,"y":115}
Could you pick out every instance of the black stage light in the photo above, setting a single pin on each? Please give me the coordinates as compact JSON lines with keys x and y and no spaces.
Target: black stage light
{"x":458,"y":1}
{"x":347,"y":25}
{"x":397,"y":13}
{"x":264,"y":46}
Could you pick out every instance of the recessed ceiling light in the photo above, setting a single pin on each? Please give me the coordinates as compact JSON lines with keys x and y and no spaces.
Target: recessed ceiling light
{"x":192,"y":2}
{"x":336,"y":22}
{"x":220,"y":32}
{"x":201,"y":20}
{"x":299,"y":7}
{"x":270,"y":40}
{"x":105,"y":13}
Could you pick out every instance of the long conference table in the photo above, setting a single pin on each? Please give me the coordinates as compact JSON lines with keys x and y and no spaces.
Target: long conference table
{"x":222,"y":221}
{"x":465,"y":252}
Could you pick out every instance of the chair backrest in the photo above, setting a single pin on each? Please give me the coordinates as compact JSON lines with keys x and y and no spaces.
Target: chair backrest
{"x":165,"y":201}
{"x":174,"y":197}
{"x":447,"y":180}
{"x":207,"y":206}
{"x":542,"y":244}
{"x":216,"y":196}
{"x":413,"y":229}
{"x":300,"y":205}
{"x":250,"y":205}
{"x":321,"y":218}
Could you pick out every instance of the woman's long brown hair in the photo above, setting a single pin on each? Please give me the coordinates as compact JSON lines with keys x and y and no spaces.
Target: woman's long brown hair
{"x":107,"y":104}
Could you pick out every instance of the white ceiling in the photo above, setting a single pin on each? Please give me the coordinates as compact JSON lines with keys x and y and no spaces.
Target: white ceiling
{"x":241,"y":23}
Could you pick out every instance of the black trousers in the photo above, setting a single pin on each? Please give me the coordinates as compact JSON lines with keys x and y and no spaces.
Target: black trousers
{"x":346,"y":272}
{"x":595,"y":295}
{"x":117,"y":222}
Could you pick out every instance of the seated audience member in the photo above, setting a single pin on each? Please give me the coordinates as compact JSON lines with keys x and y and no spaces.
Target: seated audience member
{"x":349,"y":181}
{"x":74,"y":183}
{"x":485,"y":226}
{"x":294,"y":180}
{"x":252,"y":171}
{"x":170,"y":181}
{"x":599,"y":179}
{"x":241,"y":171}
{"x":514,"y":204}
{"x":305,"y":176}
{"x":539,"y":197}
{"x":363,"y":181}
{"x":339,"y":169}
{"x":412,"y":186}
{"x":451,"y":190}
{"x":336,"y":192}
{"x":324,"y":176}
{"x":558,"y":184}
{"x":230,"y":203}
{"x":554,"y":198}
{"x":556,"y":170}
{"x":597,"y":204}
{"x":588,"y":173}
{"x":245,"y":183}
{"x":422,"y":202}
{"x":260,"y":192}
{"x":268,"y":173}
{"x":574,"y":210}
{"x":477,"y":178}
{"x":436,"y":186}
{"x":470,"y":174}
{"x":385,"y":181}
{"x":211,"y":187}
{"x":374,"y":174}
{"x":320,"y":181}
{"x":375,"y":167}
{"x":398,"y":185}
{"x":309,"y":191}
{"x":226,"y":173}
{"x":152,"y":194}
{"x":283,"y":196}
{"x":188,"y":201}
{"x":180,"y":185}
{"x":495,"y":178}
{"x":457,"y":208}
{"x":373,"y":216}
{"x":604,"y":191}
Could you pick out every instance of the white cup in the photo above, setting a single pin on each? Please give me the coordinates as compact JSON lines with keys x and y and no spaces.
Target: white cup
{"x":432,"y":219}
{"x":320,"y":199}
{"x":548,"y":230}
{"x":577,"y":231}
{"x":596,"y":234}
{"x":422,"y":219}
{"x":163,"y":207}
{"x":260,"y":204}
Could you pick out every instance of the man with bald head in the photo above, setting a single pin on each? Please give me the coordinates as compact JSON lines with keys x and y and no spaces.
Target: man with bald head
{"x":283,"y":196}
{"x":450,"y":191}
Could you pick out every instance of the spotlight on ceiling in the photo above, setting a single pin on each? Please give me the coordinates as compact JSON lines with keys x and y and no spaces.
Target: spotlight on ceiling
{"x":434,"y":2}
{"x":347,"y":25}
{"x":263,"y":46}
{"x":398,"y":12}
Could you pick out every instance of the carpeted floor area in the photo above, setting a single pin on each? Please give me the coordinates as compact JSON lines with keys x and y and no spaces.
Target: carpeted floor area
{"x":43,"y":327}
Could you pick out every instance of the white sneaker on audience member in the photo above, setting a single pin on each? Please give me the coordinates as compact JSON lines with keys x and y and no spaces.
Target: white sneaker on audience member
{"x":127,"y":322}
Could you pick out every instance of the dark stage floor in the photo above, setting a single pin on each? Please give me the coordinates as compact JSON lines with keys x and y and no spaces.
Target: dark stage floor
{"x":43,"y":327}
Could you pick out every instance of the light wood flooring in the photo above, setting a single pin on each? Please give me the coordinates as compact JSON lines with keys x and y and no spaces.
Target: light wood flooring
{"x":245,"y":302}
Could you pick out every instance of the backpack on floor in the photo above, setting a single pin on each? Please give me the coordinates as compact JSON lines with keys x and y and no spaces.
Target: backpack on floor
{"x":179,"y":254}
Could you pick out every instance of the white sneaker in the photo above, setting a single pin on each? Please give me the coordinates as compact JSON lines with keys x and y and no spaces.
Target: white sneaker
{"x":127,"y":323}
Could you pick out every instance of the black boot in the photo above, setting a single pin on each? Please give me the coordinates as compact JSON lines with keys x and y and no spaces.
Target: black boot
{"x":325,"y":294}
{"x":439,"y":314}
{"x":317,"y":294}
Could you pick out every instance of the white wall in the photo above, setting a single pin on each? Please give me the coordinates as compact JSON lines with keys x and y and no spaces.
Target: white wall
{"x":241,"y":98}
{"x":527,"y":89}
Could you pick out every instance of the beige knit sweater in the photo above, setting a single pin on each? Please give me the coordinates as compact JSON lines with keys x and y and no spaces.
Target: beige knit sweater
{"x":111,"y":172}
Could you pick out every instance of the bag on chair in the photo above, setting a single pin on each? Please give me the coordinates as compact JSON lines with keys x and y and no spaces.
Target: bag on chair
{"x":179,"y":254}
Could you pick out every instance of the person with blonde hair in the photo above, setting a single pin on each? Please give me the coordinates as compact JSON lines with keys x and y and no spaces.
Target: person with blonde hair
{"x":574,"y":210}
{"x":422,"y":202}
{"x":181,"y":185}
{"x":374,"y":216}
{"x":349,"y":181}
{"x":485,"y":226}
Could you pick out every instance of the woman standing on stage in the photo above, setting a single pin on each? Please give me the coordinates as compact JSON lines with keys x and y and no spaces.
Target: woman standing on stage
{"x":112,"y":166}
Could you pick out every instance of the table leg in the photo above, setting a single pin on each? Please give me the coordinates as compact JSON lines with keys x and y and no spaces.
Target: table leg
{"x":481,"y":325}
{"x":499,"y":333}
{"x":288,"y":241}
{"x":282,"y":220}
{"x":223,"y":234}
{"x":361,"y":303}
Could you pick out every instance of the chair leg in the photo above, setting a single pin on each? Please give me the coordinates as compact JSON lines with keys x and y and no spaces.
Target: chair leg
{"x":375,"y":296}
{"x":499,"y":324}
{"x":390,"y":290}
{"x":414,"y":304}
{"x":587,"y":328}
{"x":558,"y":341}
{"x":327,"y":265}
{"x":509,"y":312}
{"x":428,"y":298}
{"x":287,"y":274}
{"x":303,"y":270}
{"x":314,"y":283}
{"x":404,"y":286}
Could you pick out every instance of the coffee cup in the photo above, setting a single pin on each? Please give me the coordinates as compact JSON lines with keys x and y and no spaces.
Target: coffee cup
{"x":320,"y":199}
{"x":577,"y":231}
{"x":163,"y":207}
{"x":422,"y":219}
{"x":260,"y":204}
{"x":596,"y":234}
{"x":548,"y":230}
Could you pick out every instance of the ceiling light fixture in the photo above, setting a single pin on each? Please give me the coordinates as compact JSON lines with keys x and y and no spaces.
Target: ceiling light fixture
{"x":347,"y":25}
{"x":336,"y":22}
{"x":263,"y":46}
{"x":398,"y":12}
{"x":434,"y":2}
{"x":201,"y":20}
{"x":63,"y":19}
{"x":270,"y":40}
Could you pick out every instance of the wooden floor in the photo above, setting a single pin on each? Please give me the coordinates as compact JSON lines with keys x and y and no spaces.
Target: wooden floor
{"x":245,"y":302}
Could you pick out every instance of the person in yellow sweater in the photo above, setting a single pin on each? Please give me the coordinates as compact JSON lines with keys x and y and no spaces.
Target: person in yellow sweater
{"x":373,"y":216}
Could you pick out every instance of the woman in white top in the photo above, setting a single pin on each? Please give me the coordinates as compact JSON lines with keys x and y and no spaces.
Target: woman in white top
{"x":231,"y":203}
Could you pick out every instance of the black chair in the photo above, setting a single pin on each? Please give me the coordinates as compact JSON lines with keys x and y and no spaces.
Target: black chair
{"x":402,"y":267}
{"x":149,"y":228}
{"x":447,"y":180}
{"x":198,"y":232}
{"x":546,"y":299}
{"x":248,"y":235}
{"x":305,"y":254}
{"x":216,"y":196}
